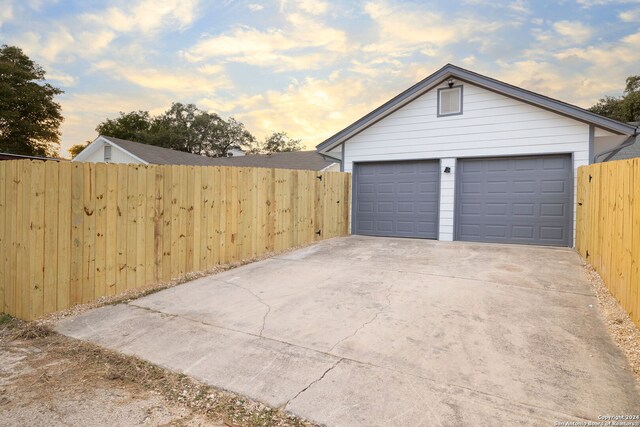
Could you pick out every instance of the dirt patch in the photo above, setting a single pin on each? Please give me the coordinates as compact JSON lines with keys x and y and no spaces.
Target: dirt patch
{"x":625,"y":333}
{"x":47,"y":379}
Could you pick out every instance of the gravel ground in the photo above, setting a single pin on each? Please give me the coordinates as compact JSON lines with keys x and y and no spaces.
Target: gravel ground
{"x":625,"y":333}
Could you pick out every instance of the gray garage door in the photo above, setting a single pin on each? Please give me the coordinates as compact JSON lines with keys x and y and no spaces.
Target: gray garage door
{"x":396,"y":199}
{"x":515,"y":200}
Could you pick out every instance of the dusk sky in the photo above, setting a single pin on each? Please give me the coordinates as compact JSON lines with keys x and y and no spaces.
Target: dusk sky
{"x":311,"y":67}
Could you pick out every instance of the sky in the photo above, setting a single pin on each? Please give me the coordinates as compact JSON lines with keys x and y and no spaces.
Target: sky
{"x":310,"y":67}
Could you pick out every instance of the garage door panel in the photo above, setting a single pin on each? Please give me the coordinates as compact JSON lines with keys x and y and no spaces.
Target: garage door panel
{"x":515,"y":200}
{"x":554,"y":186}
{"x":401,"y":199}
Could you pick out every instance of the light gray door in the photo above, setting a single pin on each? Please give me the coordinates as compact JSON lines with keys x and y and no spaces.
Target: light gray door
{"x":515,"y":200}
{"x":396,"y":199}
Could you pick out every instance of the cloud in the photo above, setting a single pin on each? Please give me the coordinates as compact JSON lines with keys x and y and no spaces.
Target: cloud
{"x":631,"y":15}
{"x":519,"y":6}
{"x":593,"y":3}
{"x":314,"y":7}
{"x":406,"y":29}
{"x":182,"y":82}
{"x":574,"y":31}
{"x":146,"y":16}
{"x":6,"y":13}
{"x":254,"y":7}
{"x":304,"y":43}
{"x":313,"y":109}
{"x":61,"y":77}
{"x":575,"y":74}
{"x":88,"y":35}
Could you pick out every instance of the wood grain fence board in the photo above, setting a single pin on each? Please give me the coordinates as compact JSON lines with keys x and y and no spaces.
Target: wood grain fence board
{"x":634,"y":303}
{"x":122,"y":227}
{"x":24,"y":185}
{"x":63,"y":261}
{"x":158,"y":223}
{"x":111,"y":237}
{"x":51,"y":222}
{"x":101,"y":191}
{"x":167,"y":222}
{"x":132,"y":229}
{"x":190,"y":219}
{"x":197,"y":220}
{"x":36,"y":239}
{"x":88,"y":238}
{"x":141,"y":209}
{"x":182,"y":222}
{"x":149,"y":221}
{"x":11,"y":189}
{"x":3,"y":232}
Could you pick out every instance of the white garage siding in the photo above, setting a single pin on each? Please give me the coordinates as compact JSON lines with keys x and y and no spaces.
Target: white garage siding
{"x":491,"y":125}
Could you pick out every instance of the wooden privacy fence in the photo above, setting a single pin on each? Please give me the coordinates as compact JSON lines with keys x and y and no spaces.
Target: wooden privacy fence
{"x":608,"y":227}
{"x":73,"y":232}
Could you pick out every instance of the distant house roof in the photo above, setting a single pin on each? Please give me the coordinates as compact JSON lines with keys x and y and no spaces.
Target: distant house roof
{"x":155,"y":155}
{"x":10,"y":156}
{"x":309,"y":160}
{"x":151,"y":154}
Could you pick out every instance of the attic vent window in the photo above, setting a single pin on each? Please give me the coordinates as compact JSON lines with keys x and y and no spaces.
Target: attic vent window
{"x":450,"y":101}
{"x":107,"y":153}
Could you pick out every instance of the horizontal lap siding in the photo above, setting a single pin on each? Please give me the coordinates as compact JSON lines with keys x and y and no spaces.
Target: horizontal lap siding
{"x":492,"y":125}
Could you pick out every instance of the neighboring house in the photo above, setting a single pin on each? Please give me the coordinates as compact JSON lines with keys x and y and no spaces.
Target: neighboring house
{"x":115,"y":150}
{"x":235,"y":152}
{"x":9,"y":156}
{"x":310,"y":160}
{"x":461,"y":156}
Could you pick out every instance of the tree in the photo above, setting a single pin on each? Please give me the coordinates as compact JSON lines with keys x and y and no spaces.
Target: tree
{"x":625,"y":108}
{"x":279,"y":142}
{"x":29,"y":117}
{"x":182,"y":127}
{"x":132,"y":126}
{"x":74,"y":150}
{"x":234,"y":135}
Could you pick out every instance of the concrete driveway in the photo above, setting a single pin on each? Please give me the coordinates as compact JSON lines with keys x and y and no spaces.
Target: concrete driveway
{"x":364,"y":331}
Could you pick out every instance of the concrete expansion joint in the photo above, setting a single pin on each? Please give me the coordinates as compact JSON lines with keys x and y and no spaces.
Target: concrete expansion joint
{"x":368,"y":322}
{"x":313,"y":382}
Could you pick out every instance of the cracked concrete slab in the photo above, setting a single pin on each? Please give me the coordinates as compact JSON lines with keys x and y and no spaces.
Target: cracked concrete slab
{"x":378,"y":331}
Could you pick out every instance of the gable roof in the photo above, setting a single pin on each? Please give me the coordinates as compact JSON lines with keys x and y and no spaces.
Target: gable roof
{"x":309,"y":160}
{"x":494,"y":85}
{"x":155,"y":155}
{"x":145,"y":153}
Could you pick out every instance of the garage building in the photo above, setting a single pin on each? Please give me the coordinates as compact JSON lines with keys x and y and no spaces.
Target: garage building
{"x":461,"y":156}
